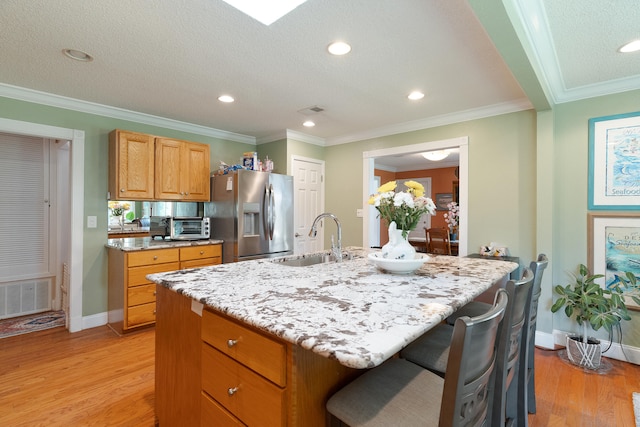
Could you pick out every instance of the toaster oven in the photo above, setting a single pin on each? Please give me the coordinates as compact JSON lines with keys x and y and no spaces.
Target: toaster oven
{"x":180,"y":228}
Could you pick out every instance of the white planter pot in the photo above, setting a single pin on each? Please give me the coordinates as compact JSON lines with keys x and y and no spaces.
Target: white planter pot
{"x":586,"y":355}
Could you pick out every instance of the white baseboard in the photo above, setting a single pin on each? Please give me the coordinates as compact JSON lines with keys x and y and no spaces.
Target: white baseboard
{"x":623,"y":352}
{"x":93,"y":321}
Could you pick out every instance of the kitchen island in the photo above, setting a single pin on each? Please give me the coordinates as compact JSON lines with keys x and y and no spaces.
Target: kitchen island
{"x":276,"y":341}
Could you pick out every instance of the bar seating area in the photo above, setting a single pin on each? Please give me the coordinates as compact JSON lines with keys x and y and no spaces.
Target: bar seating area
{"x":412,"y":389}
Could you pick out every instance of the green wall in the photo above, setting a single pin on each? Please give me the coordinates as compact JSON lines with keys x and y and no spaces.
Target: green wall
{"x":501,"y":179}
{"x":527,"y":183}
{"x":96,"y":130}
{"x":570,"y":169}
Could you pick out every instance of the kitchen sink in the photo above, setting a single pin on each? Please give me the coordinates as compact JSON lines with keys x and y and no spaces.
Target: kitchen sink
{"x":307,"y":260}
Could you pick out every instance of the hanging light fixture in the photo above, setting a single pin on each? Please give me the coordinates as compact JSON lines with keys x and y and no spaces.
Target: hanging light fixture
{"x":435,"y":156}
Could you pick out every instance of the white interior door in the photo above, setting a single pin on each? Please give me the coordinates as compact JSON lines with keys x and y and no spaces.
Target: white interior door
{"x":308,"y":188}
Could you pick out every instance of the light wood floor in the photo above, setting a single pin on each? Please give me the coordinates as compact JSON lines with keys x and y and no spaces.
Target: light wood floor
{"x":95,"y":378}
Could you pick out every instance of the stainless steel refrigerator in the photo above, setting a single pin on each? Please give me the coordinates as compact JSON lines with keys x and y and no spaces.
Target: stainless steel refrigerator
{"x":252,"y":212}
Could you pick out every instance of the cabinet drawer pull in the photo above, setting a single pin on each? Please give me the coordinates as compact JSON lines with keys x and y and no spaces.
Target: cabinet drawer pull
{"x":155,"y":293}
{"x":231,"y":343}
{"x":155,"y":257}
{"x":201,"y":252}
{"x":232,"y":391}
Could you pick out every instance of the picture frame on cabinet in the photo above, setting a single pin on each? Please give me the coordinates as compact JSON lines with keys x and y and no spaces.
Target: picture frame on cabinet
{"x":614,"y":247}
{"x":614,"y":162}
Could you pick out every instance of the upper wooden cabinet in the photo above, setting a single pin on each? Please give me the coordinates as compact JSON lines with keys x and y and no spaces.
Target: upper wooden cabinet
{"x":146,"y":167}
{"x":131,"y":166}
{"x":182,"y":170}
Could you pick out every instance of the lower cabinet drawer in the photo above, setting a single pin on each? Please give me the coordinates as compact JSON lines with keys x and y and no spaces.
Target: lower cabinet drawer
{"x":247,"y":395}
{"x":212,"y":414}
{"x":138,"y":275}
{"x":140,"y":314}
{"x":254,"y":350}
{"x":194,"y":263}
{"x":143,"y":294}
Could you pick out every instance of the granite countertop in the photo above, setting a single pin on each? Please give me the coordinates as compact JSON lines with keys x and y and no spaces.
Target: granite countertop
{"x":347,"y":311}
{"x":141,"y":243}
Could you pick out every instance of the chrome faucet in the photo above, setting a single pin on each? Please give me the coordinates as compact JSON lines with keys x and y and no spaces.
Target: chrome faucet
{"x":336,"y":250}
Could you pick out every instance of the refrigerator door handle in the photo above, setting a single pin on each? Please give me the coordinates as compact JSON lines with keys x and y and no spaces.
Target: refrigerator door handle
{"x":272,"y":209}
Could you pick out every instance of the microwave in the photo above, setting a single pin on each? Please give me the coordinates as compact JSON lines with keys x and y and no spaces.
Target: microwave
{"x":180,"y":228}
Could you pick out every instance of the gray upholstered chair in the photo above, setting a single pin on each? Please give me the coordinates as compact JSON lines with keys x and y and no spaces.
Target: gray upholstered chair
{"x":429,"y":350}
{"x":522,"y":401}
{"x":401,"y":393}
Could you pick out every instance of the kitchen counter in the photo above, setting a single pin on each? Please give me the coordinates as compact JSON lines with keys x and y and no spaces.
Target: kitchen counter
{"x":348,"y":311}
{"x":141,"y":243}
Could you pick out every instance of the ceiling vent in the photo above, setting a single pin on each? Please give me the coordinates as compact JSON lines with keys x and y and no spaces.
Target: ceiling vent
{"x":311,"y":110}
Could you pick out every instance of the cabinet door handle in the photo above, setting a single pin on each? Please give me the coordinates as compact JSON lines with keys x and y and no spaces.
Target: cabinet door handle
{"x":231,"y":343}
{"x":122,"y":190}
{"x":232,"y":390}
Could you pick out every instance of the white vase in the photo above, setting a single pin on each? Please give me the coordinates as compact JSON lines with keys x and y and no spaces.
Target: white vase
{"x":398,"y":246}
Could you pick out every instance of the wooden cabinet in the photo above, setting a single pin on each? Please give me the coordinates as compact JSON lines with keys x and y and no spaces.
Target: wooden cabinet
{"x":132,"y":298}
{"x":244,"y":376}
{"x":180,"y":167}
{"x":146,"y":167}
{"x":131,"y":166}
{"x":233,"y":374}
{"x":200,"y":256}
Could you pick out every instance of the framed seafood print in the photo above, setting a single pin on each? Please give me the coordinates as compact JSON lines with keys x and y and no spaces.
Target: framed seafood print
{"x":614,"y":247}
{"x":614,"y":162}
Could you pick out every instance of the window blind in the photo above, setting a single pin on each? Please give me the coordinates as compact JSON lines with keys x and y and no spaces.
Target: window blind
{"x":24,"y":206}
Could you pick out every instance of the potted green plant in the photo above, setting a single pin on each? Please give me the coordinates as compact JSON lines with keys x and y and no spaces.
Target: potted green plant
{"x":592,"y":305}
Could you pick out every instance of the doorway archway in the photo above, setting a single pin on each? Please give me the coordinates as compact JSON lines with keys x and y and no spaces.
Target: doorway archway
{"x":368,"y":159}
{"x":76,"y":199}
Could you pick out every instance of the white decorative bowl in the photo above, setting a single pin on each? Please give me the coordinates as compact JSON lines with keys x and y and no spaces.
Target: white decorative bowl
{"x":398,"y":266}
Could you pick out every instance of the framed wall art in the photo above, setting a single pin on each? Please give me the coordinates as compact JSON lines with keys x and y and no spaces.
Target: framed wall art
{"x":442,"y":200}
{"x":614,"y":246}
{"x":614,"y":162}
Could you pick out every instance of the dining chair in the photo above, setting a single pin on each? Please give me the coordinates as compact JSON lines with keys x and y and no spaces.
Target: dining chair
{"x":438,"y":241}
{"x":523,"y":401}
{"x":402,"y":393}
{"x":432,"y":351}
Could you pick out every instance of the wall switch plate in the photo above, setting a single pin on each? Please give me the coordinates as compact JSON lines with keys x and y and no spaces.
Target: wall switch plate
{"x":92,"y":221}
{"x":359,"y":213}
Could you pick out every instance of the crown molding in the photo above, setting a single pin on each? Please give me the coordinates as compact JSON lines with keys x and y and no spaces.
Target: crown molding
{"x":442,"y":120}
{"x":292,"y":134}
{"x":30,"y":95}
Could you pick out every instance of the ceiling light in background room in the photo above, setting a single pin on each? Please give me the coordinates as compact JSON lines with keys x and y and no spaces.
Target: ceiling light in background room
{"x":226,"y":98}
{"x":633,"y":46}
{"x":266,"y":12}
{"x":436,"y":156}
{"x":339,"y":48}
{"x":415,"y":95}
{"x":78,"y":55}
{"x":308,"y":124}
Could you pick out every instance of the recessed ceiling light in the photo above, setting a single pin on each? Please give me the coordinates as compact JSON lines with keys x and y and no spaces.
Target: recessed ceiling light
{"x":225,"y":98}
{"x":435,"y":156}
{"x":339,"y":48}
{"x":308,"y":124}
{"x":633,"y":46}
{"x":415,"y":95}
{"x":266,"y":12}
{"x":78,"y":55}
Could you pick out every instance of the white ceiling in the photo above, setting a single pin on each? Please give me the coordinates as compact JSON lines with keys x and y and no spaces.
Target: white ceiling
{"x":172,"y":59}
